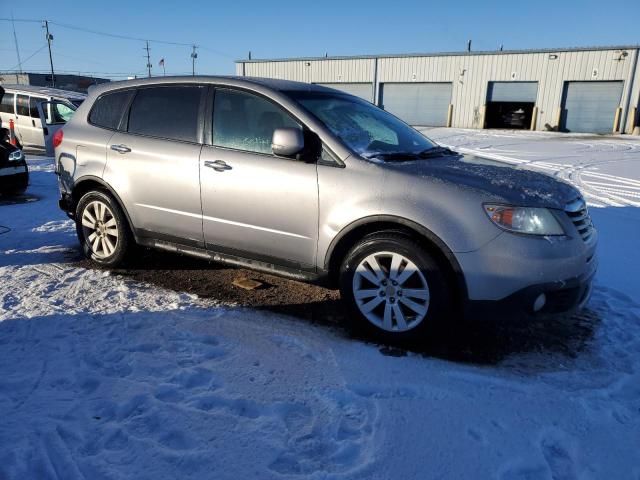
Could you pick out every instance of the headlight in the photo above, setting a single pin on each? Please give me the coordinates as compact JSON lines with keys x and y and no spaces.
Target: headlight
{"x":529,"y":220}
{"x":15,"y":156}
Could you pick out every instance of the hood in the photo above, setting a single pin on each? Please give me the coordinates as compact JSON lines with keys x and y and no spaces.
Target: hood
{"x":499,"y":182}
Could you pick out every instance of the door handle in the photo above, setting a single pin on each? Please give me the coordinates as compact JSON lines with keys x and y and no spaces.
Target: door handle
{"x":217,"y":165}
{"x":120,"y":148}
{"x":33,"y":123}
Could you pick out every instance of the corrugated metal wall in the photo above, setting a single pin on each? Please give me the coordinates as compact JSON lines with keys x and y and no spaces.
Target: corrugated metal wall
{"x":471,"y":74}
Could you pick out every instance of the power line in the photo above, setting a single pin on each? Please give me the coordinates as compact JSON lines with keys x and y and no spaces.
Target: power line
{"x":21,"y":20}
{"x":115,"y":35}
{"x":28,"y":58}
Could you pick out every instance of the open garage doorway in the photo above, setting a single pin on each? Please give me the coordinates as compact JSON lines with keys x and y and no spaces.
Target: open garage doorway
{"x":510,"y":104}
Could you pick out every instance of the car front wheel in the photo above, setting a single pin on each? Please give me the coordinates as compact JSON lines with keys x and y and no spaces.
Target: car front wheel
{"x":102,"y":229}
{"x":394,"y":288}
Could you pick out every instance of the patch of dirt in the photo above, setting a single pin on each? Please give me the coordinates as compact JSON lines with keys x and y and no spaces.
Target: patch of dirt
{"x":477,"y":341}
{"x":215,"y":281}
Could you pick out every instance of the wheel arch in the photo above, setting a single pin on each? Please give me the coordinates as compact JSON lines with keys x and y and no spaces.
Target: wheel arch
{"x":359,"y":229}
{"x":88,"y":183}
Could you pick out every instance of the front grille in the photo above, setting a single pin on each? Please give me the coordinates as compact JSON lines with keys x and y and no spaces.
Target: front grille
{"x":579,"y":215}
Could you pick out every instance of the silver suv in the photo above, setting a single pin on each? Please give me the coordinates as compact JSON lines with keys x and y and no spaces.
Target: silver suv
{"x":317,"y":185}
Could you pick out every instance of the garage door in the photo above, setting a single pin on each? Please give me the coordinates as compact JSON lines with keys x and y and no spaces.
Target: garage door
{"x":423,"y":104}
{"x":362,"y":90}
{"x":590,"y":106}
{"x":510,"y":104}
{"x":512,"y":92}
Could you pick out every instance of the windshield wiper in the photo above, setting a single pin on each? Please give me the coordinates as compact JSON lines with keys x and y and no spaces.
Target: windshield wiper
{"x":392,"y":155}
{"x":432,"y":152}
{"x":437,"y":151}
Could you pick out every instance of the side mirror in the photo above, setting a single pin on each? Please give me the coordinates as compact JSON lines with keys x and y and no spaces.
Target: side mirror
{"x":287,"y":142}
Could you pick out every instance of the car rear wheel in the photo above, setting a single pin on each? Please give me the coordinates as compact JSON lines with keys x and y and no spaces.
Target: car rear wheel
{"x":102,"y":229}
{"x":395,"y":289}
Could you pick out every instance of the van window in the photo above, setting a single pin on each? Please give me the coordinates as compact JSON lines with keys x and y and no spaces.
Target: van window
{"x":108,"y":109}
{"x":6,"y":106}
{"x":166,"y":111}
{"x":244,"y":121}
{"x":33,"y":106}
{"x":22,"y":105}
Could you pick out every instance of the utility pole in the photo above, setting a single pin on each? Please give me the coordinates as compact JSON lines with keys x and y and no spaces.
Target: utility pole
{"x":15,"y":40}
{"x":148,"y":60}
{"x":194,"y":55}
{"x":49,"y":38}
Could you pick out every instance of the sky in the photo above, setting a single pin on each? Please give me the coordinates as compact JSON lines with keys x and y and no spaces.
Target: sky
{"x":227,"y":31}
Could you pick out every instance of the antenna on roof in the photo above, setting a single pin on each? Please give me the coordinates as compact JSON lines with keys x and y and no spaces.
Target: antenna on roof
{"x":249,"y":54}
{"x":469,"y":46}
{"x":501,"y":47}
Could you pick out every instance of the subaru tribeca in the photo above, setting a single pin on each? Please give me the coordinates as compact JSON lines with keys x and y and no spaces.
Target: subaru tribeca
{"x":318,"y":185}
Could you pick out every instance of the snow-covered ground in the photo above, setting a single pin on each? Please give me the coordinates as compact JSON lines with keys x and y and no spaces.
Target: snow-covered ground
{"x":104,"y":378}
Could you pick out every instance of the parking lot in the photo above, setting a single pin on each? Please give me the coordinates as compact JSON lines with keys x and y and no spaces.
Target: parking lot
{"x":170,"y":358}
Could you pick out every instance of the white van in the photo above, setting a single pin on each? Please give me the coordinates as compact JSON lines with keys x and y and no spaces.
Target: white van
{"x":24,"y":104}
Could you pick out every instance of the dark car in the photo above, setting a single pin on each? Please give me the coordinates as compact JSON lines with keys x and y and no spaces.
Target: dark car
{"x":14,"y":173}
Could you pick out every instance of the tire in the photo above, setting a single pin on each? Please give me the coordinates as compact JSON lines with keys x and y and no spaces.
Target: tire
{"x":409,"y":311}
{"x":102,"y":229}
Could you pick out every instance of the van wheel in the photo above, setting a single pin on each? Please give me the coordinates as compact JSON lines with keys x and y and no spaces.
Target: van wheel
{"x":394,"y":289}
{"x":102,"y":229}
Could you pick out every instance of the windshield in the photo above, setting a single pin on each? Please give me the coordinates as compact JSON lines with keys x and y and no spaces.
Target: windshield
{"x":365,"y":128}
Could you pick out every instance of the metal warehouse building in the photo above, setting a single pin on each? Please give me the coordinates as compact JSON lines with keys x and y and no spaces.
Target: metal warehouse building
{"x":594,"y":90}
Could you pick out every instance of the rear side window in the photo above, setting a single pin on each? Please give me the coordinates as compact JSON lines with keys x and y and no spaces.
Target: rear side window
{"x":22,"y":105}
{"x":33,"y":106}
{"x":166,"y":112}
{"x":7,"y":103}
{"x":108,"y":109}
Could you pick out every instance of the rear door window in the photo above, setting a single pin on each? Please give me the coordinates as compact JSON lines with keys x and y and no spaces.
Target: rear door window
{"x":7,"y":103}
{"x":244,"y":121}
{"x":22,"y":105}
{"x":170,"y":112}
{"x":33,"y":106}
{"x":108,"y":110}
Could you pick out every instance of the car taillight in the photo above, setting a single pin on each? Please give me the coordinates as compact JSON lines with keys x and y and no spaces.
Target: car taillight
{"x":57,"y":138}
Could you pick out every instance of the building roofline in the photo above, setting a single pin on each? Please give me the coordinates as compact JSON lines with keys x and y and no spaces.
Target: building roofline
{"x":443,"y":54}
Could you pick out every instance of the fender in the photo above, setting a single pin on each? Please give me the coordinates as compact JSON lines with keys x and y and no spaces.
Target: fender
{"x":92,"y":178}
{"x":410,"y":224}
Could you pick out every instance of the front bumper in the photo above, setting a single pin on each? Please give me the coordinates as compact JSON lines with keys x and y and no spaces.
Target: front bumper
{"x":14,"y":177}
{"x":509,"y":273}
{"x":560,"y":298}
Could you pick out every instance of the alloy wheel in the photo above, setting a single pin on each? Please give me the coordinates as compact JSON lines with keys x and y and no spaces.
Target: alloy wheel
{"x":391,"y":291}
{"x":100,"y":229}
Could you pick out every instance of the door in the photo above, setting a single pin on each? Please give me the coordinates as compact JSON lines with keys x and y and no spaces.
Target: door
{"x":423,"y":104}
{"x":510,"y":104}
{"x":153,"y":163}
{"x":362,"y":90}
{"x":28,"y":125}
{"x":254,"y":203}
{"x":23,"y":127}
{"x":590,"y":106}
{"x":53,"y":116}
